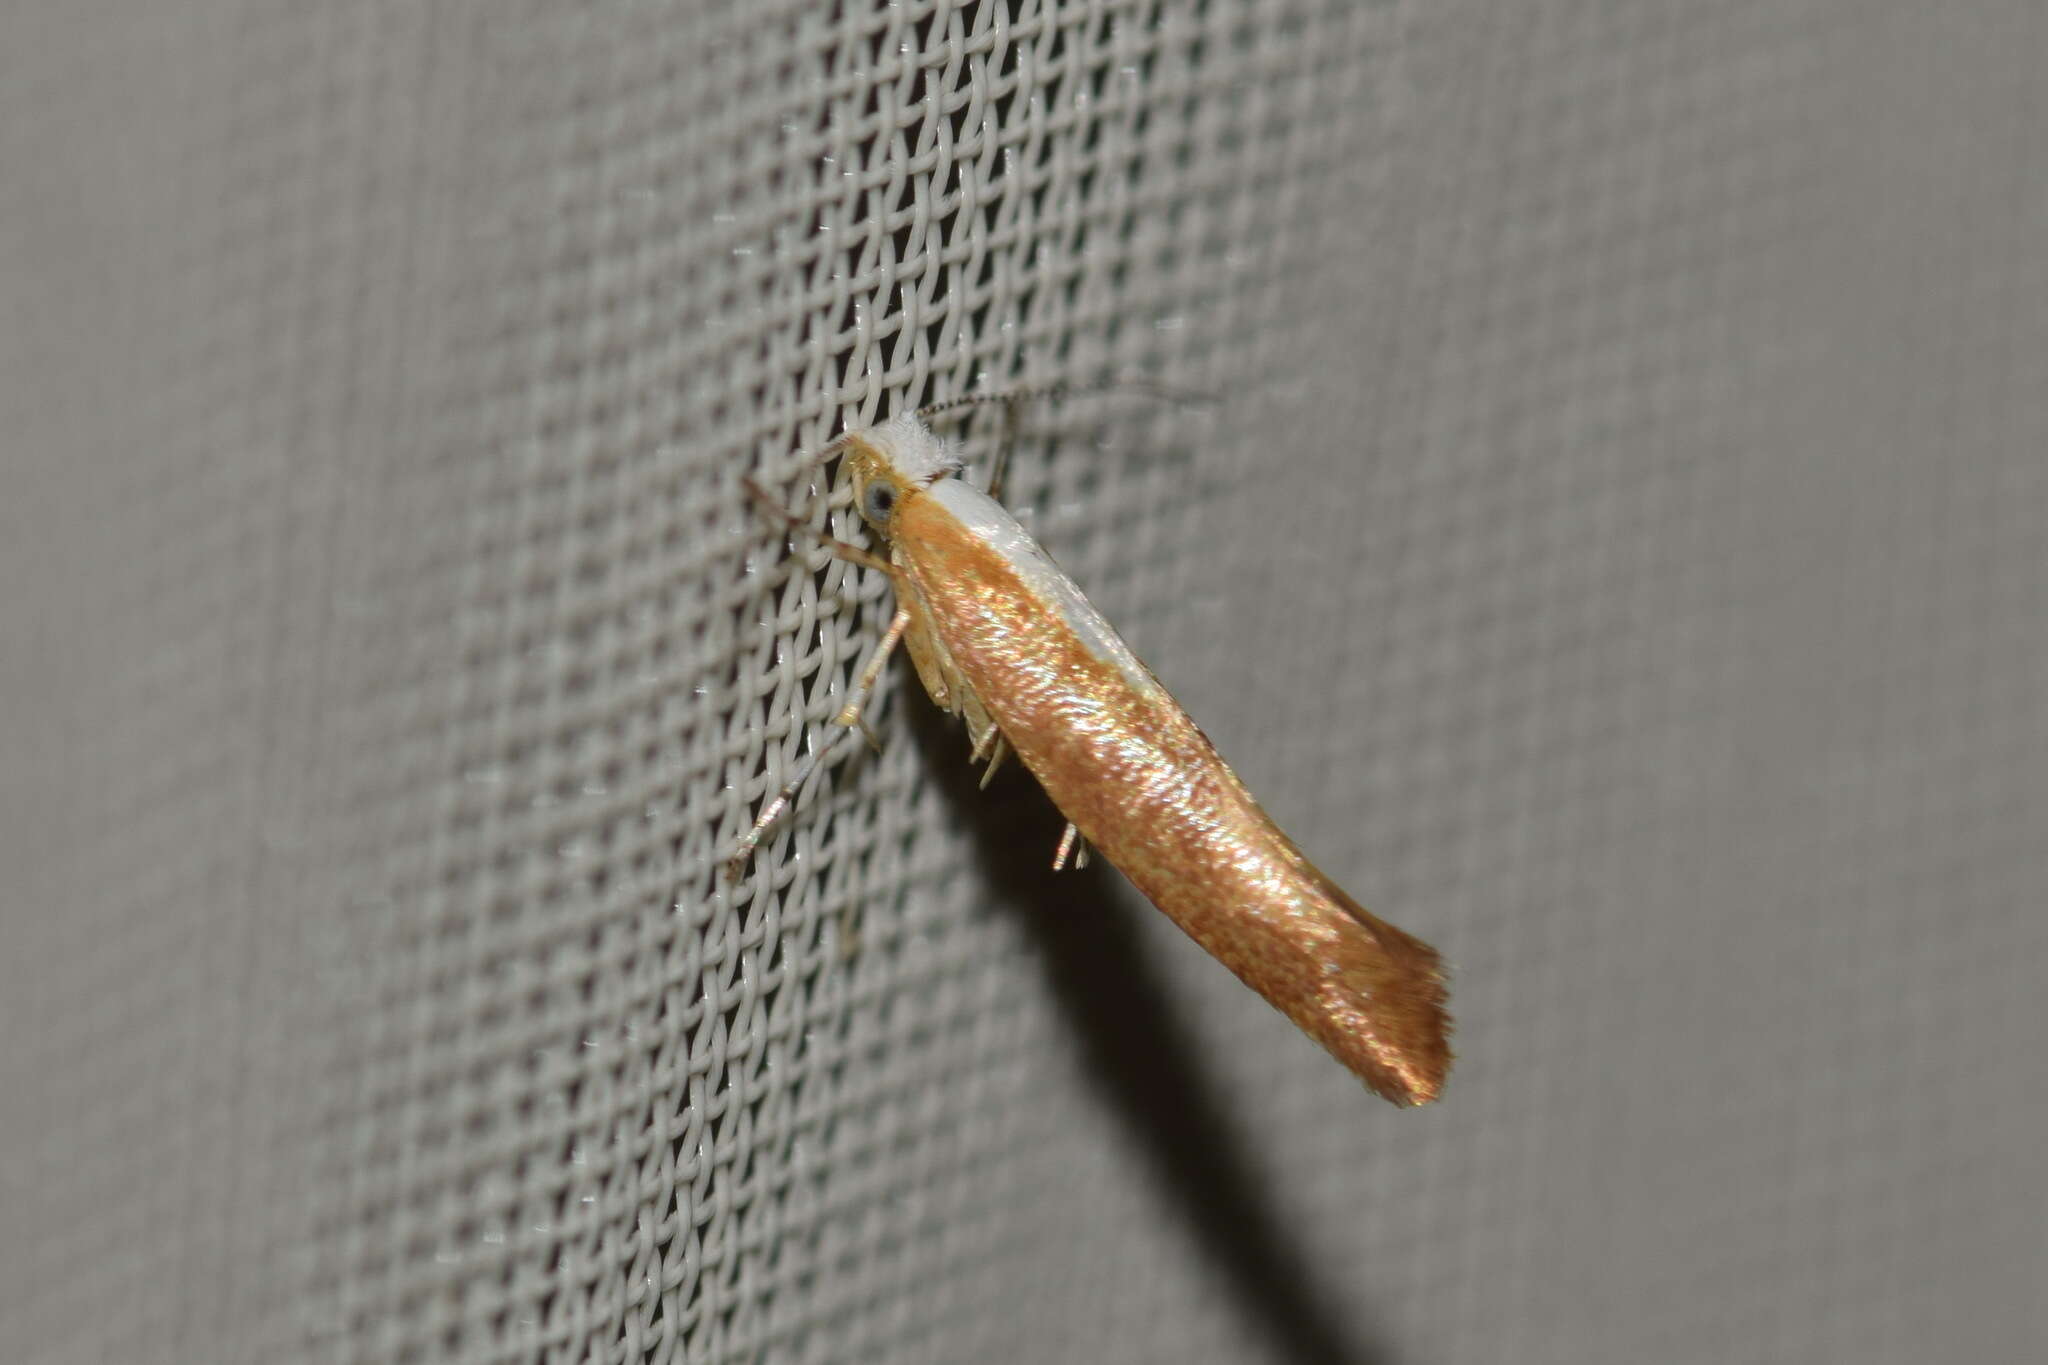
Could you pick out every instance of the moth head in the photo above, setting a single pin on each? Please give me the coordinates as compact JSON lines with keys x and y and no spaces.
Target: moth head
{"x":892,"y":462}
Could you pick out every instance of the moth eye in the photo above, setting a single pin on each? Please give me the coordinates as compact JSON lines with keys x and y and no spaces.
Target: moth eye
{"x":879,"y":502}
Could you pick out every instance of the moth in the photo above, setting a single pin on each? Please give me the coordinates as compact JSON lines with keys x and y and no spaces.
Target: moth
{"x":1003,"y":639}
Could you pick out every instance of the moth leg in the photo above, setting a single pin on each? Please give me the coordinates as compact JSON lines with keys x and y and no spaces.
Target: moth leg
{"x":1001,"y":465}
{"x":864,"y":686}
{"x":934,"y":667}
{"x":997,"y":752}
{"x":1071,"y":842}
{"x":990,"y":739}
{"x":852,"y":554}
{"x":849,"y":719}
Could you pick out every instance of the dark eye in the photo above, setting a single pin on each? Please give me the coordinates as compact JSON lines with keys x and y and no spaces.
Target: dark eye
{"x":879,"y":502}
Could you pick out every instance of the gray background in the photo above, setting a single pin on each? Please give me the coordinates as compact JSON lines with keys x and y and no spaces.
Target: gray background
{"x":1618,"y":555}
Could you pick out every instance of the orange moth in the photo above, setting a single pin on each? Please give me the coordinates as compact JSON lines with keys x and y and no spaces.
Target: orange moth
{"x":1003,"y":639}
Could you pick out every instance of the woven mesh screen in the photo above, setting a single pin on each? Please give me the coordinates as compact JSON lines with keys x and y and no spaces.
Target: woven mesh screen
{"x":1617,"y":553}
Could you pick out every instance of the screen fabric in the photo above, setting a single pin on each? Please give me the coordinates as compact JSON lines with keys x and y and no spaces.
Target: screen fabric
{"x":1602,"y":509}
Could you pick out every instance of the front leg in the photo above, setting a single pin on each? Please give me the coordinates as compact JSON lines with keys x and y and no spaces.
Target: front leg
{"x":849,"y":719}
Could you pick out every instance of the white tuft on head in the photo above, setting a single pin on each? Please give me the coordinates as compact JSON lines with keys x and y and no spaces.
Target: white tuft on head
{"x":908,"y":451}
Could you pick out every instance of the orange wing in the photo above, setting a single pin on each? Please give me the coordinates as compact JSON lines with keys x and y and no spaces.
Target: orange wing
{"x":1127,"y":766}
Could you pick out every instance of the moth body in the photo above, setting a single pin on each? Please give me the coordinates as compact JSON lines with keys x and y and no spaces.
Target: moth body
{"x":1004,"y":639}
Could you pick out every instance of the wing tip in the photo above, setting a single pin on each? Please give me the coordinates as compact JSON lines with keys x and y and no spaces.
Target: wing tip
{"x":1404,"y":1056}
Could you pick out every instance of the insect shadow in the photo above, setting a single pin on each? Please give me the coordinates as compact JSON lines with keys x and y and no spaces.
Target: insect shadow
{"x":1140,"y":1056}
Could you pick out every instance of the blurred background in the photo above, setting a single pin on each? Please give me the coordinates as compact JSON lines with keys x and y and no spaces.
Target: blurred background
{"x":1618,"y":553}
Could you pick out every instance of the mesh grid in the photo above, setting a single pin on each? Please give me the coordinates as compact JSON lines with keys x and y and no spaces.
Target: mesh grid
{"x":1616,"y":556}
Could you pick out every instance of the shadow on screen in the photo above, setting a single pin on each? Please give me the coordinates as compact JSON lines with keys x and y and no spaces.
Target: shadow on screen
{"x":1142,"y":1060}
